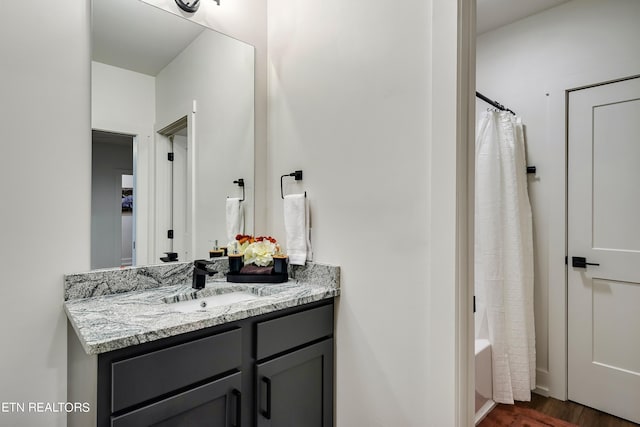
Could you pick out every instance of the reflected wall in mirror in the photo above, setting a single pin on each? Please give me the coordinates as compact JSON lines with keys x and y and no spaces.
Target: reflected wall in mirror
{"x":163,"y":84}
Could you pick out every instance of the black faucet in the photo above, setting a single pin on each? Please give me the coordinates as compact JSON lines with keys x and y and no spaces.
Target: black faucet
{"x":200,"y":272}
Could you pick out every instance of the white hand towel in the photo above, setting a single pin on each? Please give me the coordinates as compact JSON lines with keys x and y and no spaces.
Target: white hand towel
{"x":235,"y":218}
{"x":296,"y":225}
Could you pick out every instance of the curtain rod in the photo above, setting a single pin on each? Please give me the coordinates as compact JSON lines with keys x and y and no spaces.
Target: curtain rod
{"x":494,"y":103}
{"x":530,"y":169}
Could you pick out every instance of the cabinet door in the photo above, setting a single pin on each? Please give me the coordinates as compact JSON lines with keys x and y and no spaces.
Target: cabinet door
{"x":296,"y":389}
{"x":215,"y":404}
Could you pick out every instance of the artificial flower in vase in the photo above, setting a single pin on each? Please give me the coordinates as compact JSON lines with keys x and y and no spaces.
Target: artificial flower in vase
{"x":260,"y":255}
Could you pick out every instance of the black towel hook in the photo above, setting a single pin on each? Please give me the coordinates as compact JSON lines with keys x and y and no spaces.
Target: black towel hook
{"x":297,"y":175}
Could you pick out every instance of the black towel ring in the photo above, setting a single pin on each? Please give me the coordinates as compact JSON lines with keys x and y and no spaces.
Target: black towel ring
{"x":297,"y":175}
{"x":240,"y":183}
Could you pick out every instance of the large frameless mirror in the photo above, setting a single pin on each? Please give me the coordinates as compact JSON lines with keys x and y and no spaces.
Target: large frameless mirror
{"x":173,"y":128}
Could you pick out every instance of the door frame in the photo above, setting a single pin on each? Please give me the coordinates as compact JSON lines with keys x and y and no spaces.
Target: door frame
{"x":140,"y":153}
{"x":161,"y":145}
{"x":143,"y":152}
{"x":452,"y":155}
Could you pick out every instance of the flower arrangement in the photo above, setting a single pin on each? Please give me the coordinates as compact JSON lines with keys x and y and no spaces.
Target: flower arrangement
{"x":255,"y":250}
{"x":256,"y":260}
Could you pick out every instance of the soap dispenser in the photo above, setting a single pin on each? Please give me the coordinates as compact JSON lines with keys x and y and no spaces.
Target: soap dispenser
{"x":216,"y":252}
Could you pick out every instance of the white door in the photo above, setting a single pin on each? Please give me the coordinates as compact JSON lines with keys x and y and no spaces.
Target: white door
{"x":604,"y":228}
{"x":181,"y":231}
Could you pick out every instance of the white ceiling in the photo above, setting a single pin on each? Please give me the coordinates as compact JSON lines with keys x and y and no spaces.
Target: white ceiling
{"x":136,"y":36}
{"x":492,"y":14}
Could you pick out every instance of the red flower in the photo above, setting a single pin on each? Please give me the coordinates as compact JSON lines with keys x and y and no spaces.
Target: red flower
{"x":241,"y":238}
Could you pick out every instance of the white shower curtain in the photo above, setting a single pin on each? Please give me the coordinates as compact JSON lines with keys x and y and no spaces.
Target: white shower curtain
{"x":504,"y":256}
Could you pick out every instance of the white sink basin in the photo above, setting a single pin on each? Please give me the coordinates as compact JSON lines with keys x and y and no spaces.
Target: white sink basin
{"x":219,"y":300}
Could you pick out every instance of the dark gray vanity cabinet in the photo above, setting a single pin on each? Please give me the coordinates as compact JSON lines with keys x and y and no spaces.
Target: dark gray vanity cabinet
{"x":294,"y":371}
{"x":296,"y":389}
{"x":274,"y":369}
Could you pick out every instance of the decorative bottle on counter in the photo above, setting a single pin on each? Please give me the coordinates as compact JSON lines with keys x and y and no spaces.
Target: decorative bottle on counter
{"x":236,"y":262}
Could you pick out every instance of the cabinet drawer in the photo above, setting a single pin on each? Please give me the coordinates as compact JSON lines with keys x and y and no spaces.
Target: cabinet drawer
{"x":212,"y":404}
{"x":141,"y":378}
{"x":278,"y":335}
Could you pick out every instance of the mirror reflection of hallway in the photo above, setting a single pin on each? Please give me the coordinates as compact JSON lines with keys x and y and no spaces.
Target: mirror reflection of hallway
{"x":111,"y":158}
{"x":127,"y":221}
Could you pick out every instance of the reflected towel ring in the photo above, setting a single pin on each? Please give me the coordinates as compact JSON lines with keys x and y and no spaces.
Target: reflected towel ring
{"x":240,"y":183}
{"x":297,"y":175}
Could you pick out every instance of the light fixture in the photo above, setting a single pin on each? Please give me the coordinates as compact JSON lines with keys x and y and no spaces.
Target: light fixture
{"x":189,"y":5}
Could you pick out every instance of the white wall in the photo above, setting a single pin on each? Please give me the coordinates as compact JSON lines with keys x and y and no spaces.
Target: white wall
{"x":352,"y":90}
{"x":122,"y":100}
{"x":216,"y":72}
{"x":528,"y":66}
{"x":45,"y":187}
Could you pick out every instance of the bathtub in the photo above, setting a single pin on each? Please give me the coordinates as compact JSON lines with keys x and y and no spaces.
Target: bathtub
{"x":484,"y":388}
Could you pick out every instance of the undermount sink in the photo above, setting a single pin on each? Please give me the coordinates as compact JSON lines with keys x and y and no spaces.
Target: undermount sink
{"x":218,"y":300}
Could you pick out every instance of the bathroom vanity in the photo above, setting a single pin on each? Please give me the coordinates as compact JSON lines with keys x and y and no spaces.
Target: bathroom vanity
{"x":139,"y":360}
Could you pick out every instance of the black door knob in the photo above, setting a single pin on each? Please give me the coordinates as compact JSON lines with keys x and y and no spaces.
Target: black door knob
{"x":580,"y":262}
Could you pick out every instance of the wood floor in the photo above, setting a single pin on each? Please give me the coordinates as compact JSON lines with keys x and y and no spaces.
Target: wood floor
{"x":574,"y":412}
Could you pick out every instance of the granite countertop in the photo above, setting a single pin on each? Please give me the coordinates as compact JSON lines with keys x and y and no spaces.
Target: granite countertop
{"x":112,"y":321}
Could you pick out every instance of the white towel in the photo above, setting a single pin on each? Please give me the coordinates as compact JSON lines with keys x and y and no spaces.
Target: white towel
{"x":235,"y":218}
{"x":296,"y":226}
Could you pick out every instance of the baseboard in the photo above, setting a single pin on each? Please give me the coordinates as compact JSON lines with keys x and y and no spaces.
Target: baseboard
{"x":542,"y":382}
{"x":482,"y":412}
{"x":542,"y":391}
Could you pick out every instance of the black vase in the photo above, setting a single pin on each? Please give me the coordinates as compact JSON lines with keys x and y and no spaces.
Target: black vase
{"x":280,"y":265}
{"x":235,"y":263}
